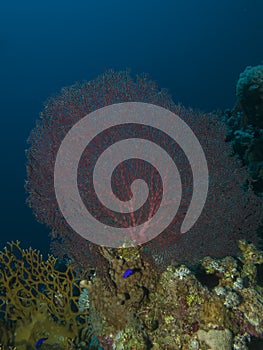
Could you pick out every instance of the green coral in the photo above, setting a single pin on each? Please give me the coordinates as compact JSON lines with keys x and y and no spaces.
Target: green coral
{"x":194,"y":298}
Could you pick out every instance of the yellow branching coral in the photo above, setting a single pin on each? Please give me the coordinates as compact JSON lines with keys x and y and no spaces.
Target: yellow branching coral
{"x":31,"y":288}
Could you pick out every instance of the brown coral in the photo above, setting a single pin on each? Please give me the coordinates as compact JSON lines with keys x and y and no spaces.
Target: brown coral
{"x":118,"y":297}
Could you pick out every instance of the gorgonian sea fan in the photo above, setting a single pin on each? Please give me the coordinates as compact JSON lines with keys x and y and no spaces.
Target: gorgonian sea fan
{"x":230,"y":213}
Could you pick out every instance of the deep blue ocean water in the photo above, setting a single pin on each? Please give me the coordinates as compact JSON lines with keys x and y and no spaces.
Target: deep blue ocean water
{"x":195,"y":49}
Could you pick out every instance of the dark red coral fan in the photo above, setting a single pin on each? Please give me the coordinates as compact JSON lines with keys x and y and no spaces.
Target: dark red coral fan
{"x":230,"y":213}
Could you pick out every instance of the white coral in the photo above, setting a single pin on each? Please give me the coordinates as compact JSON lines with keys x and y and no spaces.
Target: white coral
{"x":182,"y":272}
{"x":84,"y":301}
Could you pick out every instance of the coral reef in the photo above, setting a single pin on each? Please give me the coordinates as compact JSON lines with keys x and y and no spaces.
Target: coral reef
{"x":171,"y":293}
{"x":177,"y":309}
{"x":180,"y":309}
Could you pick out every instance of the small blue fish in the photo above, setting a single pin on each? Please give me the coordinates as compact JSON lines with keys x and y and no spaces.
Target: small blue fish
{"x":39,"y":342}
{"x":127,"y":273}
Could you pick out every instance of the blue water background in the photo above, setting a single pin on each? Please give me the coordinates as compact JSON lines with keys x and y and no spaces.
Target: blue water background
{"x":196,"y":49}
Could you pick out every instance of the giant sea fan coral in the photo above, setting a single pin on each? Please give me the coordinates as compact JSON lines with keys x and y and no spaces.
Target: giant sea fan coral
{"x":230,"y":212}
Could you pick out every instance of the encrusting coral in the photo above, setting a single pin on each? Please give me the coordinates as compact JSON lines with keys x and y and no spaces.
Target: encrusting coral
{"x":119,"y":295}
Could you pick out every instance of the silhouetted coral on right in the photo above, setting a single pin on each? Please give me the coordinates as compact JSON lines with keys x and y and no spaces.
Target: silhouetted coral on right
{"x":245,"y":124}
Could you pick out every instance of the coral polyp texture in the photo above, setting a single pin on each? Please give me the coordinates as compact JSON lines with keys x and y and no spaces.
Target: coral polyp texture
{"x":230,"y":213}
